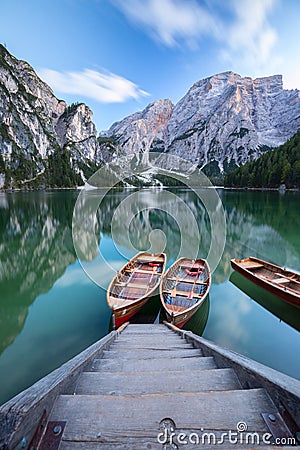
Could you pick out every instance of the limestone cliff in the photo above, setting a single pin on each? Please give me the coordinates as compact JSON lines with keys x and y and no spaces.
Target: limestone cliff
{"x":34,"y":124}
{"x":223,"y":120}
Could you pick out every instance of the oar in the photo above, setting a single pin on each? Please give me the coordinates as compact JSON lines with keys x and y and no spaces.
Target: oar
{"x":191,"y":293}
{"x":154,"y":272}
{"x":173,"y":291}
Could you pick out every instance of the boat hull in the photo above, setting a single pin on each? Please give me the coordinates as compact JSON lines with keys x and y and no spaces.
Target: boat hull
{"x":281,"y":292}
{"x":134,"y":285}
{"x":181,"y":320}
{"x":179,"y":316}
{"x":123,"y":315}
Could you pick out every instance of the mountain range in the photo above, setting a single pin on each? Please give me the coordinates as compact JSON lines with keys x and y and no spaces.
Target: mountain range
{"x":222,"y":122}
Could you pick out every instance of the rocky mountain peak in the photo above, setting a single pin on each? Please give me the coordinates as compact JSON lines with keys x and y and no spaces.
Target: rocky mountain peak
{"x":272,"y":83}
{"x":223,"y":121}
{"x":34,"y":124}
{"x":137,"y":132}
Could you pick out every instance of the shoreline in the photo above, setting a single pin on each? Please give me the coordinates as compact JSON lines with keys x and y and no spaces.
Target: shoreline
{"x":79,"y":188}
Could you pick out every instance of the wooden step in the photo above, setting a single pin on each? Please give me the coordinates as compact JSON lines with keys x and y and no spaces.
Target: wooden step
{"x":142,"y":354}
{"x":153,"y":332}
{"x":166,"y":342}
{"x":132,"y":420}
{"x":149,"y":338}
{"x":154,"y":364}
{"x":131,"y":383}
{"x":144,"y":345}
{"x":147,"y":326}
{"x":150,"y":334}
{"x":138,"y":443}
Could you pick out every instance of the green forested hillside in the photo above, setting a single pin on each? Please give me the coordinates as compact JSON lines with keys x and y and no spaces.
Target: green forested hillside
{"x":280,"y":166}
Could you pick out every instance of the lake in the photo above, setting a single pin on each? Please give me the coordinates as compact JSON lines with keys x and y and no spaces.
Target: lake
{"x":50,"y":309}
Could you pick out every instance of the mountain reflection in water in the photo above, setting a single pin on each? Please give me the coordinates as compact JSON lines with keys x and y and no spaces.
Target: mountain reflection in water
{"x":50,"y":310}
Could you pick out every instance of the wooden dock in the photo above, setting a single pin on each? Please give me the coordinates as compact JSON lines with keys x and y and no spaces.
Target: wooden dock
{"x":139,"y":385}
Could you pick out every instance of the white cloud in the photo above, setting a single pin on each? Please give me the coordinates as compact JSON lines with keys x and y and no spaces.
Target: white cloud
{"x":250,"y":36}
{"x":291,"y":78}
{"x":170,"y":21}
{"x":239,"y":28}
{"x":104,"y":87}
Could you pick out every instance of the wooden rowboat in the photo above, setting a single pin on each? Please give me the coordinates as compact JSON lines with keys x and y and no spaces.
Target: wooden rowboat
{"x":134,"y":284}
{"x":183,"y":289}
{"x":280,"y":282}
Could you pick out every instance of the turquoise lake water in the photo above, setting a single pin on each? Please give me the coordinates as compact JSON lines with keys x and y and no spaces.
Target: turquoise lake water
{"x":50,"y":309}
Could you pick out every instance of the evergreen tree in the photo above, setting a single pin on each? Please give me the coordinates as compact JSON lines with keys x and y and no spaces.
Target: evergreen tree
{"x":280,"y":166}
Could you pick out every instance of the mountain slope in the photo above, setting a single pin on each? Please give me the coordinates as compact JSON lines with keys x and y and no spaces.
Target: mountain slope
{"x":222,"y":121}
{"x":282,"y":166}
{"x":34,"y":124}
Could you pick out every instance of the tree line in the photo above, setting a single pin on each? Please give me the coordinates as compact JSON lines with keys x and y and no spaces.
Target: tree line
{"x":276,"y":167}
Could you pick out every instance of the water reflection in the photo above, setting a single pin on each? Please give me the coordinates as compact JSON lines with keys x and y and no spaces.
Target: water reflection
{"x":35,"y":250}
{"x":198,"y":321}
{"x":36,"y":241}
{"x":283,"y":311}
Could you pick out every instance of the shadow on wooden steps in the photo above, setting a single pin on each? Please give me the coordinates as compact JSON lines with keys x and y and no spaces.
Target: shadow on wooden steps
{"x":122,"y":390}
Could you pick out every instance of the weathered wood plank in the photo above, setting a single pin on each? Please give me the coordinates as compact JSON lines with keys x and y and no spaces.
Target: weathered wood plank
{"x":144,"y":443}
{"x":280,"y":387}
{"x":143,"y":345}
{"x":158,"y":348}
{"x":132,"y":383}
{"x":152,"y":332}
{"x":20,"y":415}
{"x":155,"y":364}
{"x":148,"y":326}
{"x":131,"y":416}
{"x":151,"y":353}
{"x":156,"y":338}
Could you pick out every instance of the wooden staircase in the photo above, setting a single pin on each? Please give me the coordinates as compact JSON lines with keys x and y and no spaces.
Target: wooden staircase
{"x":151,"y":381}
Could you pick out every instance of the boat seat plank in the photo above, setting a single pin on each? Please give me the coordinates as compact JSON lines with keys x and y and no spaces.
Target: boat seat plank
{"x":280,"y":280}
{"x":186,"y":280}
{"x":149,"y":260}
{"x":183,"y":293}
{"x":251,"y":265}
{"x":135,"y":285}
{"x":290,"y":279}
{"x":149,"y":272}
{"x":195,"y":267}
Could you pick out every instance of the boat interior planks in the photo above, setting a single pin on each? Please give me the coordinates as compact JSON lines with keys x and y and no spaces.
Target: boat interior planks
{"x":275,"y":279}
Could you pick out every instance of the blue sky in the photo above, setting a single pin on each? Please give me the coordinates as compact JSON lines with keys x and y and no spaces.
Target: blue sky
{"x":119,"y":55}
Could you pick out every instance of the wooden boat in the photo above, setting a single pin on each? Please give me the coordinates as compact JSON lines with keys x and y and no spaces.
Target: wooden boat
{"x":134,"y":284}
{"x":183,"y":289}
{"x":280,"y":282}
